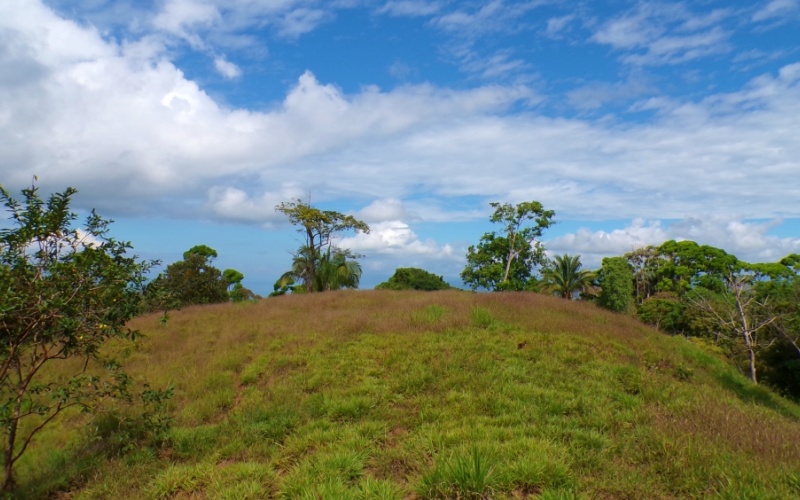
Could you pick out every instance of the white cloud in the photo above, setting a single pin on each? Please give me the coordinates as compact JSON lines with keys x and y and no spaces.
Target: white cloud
{"x":183,"y":17}
{"x":664,"y":34}
{"x":410,"y":8}
{"x":383,"y":210}
{"x":557,"y":25}
{"x":226,"y":68}
{"x":396,"y":238}
{"x":302,"y":20}
{"x":776,"y":8}
{"x":128,"y":128}
{"x":233,"y":204}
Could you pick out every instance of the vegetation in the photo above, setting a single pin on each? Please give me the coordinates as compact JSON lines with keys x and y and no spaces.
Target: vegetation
{"x":66,"y":292}
{"x":506,"y":261}
{"x":318,"y":227}
{"x":335,"y":269}
{"x":616,"y":284}
{"x":193,"y":281}
{"x":751,"y":311}
{"x":446,"y":395}
{"x":412,"y":278}
{"x":565,"y":278}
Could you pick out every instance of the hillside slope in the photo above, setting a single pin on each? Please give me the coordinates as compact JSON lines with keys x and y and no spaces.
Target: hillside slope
{"x":380,"y":394}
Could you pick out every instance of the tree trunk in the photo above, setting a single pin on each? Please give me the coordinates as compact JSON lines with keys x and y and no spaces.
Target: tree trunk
{"x":511,"y":254}
{"x":312,"y":261}
{"x":8,"y":483}
{"x":753,"y":366}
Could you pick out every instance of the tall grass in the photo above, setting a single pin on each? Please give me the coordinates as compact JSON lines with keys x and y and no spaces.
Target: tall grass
{"x":436,"y":395}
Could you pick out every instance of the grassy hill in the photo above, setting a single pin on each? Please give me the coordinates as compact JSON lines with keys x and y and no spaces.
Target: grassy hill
{"x":381,"y":394}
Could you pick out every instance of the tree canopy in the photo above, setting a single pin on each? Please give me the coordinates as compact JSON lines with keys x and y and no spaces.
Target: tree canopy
{"x":564,"y":276}
{"x":412,"y":278}
{"x":318,"y":227}
{"x":194,"y":280}
{"x":505,"y":260}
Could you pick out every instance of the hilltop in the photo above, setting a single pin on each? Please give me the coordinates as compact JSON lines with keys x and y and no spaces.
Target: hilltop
{"x":380,"y":394}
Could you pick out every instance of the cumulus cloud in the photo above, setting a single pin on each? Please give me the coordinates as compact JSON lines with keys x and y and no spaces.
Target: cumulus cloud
{"x":394,"y":237}
{"x":233,"y":204}
{"x":124,"y":124}
{"x":383,"y":210}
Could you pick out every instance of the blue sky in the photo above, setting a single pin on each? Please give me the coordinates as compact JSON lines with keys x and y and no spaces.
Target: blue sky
{"x":187,"y":121}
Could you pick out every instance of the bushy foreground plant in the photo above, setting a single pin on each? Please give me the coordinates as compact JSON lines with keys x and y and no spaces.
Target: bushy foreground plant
{"x":65,"y":292}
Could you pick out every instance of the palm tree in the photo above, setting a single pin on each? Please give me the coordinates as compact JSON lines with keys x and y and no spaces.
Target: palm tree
{"x":332,"y":270}
{"x":564,"y":276}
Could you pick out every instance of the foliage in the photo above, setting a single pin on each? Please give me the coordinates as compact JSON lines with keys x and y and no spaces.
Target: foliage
{"x":505,"y":261}
{"x":702,"y":291}
{"x":193,"y":280}
{"x":412,"y":278}
{"x":318,"y":227}
{"x":616,"y":282}
{"x":685,"y":264}
{"x":564,"y":277}
{"x":664,"y":310}
{"x":65,"y":293}
{"x":232,"y":277}
{"x":335,"y":269}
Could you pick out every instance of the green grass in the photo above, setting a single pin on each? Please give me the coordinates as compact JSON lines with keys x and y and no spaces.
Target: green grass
{"x":431,"y":395}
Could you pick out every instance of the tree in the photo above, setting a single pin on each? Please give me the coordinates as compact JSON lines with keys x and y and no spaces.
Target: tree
{"x":335,"y":269}
{"x":564,"y":276}
{"x":412,"y":278}
{"x":616,"y":282}
{"x":740,"y":311}
{"x":318,"y":227}
{"x":232,"y":277}
{"x":65,"y":292}
{"x":645,"y":263}
{"x":194,"y":280}
{"x":506,"y":261}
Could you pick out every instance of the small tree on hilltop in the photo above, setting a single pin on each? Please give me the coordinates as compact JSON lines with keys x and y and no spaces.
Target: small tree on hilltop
{"x":412,"y":278}
{"x":505,"y":261}
{"x":194,"y":280}
{"x":65,"y":292}
{"x":318,"y":227}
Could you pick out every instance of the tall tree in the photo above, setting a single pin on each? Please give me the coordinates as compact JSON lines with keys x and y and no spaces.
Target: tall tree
{"x":564,"y":276}
{"x":505,"y":261}
{"x":318,"y":227}
{"x":65,"y":292}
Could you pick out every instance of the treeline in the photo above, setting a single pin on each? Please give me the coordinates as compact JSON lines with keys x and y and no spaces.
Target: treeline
{"x":751,"y":310}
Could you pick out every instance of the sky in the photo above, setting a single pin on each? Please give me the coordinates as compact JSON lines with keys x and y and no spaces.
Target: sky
{"x":188,"y":121}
